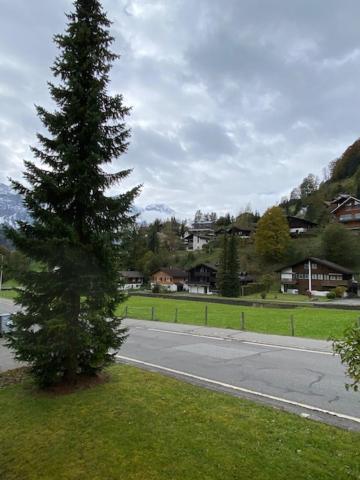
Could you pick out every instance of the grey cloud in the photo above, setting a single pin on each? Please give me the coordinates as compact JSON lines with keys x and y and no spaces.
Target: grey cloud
{"x":234,"y":102}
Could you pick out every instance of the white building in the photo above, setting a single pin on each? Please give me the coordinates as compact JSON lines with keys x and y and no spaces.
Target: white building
{"x":131,"y":280}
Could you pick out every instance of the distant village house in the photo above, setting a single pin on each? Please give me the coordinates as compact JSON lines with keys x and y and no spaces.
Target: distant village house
{"x":317,"y":276}
{"x":346,"y":209}
{"x":242,"y":232}
{"x":171,"y":279}
{"x":131,"y":280}
{"x":202,"y":279}
{"x":299,"y":225}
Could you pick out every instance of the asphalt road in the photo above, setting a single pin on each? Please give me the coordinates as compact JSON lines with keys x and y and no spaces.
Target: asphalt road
{"x":309,"y":382}
{"x":296,"y":374}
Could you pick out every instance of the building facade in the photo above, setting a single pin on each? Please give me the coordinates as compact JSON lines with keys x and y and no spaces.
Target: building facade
{"x":317,"y":276}
{"x":202,"y":279}
{"x":131,"y":280}
{"x":346,"y":209}
{"x":298,"y":226}
{"x":171,"y":279}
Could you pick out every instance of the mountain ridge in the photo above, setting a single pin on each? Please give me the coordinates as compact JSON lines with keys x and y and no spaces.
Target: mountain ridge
{"x":12,"y":209}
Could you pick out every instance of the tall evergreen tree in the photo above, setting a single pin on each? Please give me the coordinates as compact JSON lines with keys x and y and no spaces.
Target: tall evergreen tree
{"x":223,"y":263}
{"x":233,"y":269}
{"x":67,"y":326}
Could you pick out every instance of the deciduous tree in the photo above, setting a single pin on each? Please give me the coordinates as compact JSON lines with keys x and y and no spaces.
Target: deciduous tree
{"x":272,"y":236}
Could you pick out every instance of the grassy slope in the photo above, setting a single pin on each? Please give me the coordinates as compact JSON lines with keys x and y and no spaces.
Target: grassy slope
{"x":142,"y":426}
{"x":309,"y":321}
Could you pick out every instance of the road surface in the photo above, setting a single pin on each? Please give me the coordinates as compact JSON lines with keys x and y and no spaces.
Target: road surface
{"x":304,"y":377}
{"x":296,"y":374}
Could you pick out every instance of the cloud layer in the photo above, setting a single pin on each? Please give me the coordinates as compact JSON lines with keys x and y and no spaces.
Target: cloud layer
{"x":233,"y":102}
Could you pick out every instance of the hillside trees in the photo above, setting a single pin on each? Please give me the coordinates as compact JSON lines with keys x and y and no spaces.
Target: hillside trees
{"x":309,"y":185}
{"x":272,"y":237}
{"x":340,"y":245}
{"x":68,"y":326}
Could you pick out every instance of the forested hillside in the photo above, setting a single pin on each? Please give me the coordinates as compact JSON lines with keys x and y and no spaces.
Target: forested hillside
{"x":308,"y":200}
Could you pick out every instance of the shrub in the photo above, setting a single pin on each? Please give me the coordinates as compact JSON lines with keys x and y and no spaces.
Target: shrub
{"x":339,"y":292}
{"x":252,"y":288}
{"x":349,"y":351}
{"x":331,"y":295}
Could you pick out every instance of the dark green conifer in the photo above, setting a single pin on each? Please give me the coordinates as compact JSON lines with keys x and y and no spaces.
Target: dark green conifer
{"x":67,"y":326}
{"x":233,"y":267}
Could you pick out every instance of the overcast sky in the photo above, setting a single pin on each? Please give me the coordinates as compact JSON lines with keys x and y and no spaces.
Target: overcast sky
{"x":234,"y":101}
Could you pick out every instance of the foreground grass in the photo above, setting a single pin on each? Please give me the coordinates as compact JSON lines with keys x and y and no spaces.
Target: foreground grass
{"x":143,"y":426}
{"x":309,"y":321}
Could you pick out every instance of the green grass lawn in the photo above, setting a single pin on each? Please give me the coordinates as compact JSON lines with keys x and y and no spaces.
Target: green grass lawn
{"x":143,"y":426}
{"x":309,"y":321}
{"x":11,"y":294}
{"x":285,"y":297}
{"x":275,"y":297}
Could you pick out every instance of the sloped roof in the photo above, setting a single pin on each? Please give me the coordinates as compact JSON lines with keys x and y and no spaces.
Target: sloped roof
{"x":131,"y":274}
{"x":173,"y":272}
{"x":331,"y":265}
{"x":292,"y":220}
{"x":349,"y":197}
{"x":208,"y":265}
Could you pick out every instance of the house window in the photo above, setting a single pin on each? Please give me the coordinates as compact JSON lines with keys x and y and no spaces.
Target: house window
{"x":306,"y":266}
{"x":336,"y":277}
{"x":314,"y":266}
{"x":300,"y":276}
{"x":346,"y":218}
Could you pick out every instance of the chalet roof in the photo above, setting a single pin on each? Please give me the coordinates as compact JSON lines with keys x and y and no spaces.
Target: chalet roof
{"x":239,"y":228}
{"x":173,"y":272}
{"x":346,"y":199}
{"x":236,"y":228}
{"x":210,"y":266}
{"x":326,"y":263}
{"x":296,"y":220}
{"x":131,"y":274}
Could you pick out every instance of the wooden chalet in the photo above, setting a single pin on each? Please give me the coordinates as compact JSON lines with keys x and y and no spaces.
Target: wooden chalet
{"x":317,"y":276}
{"x":172,"y":279}
{"x":242,"y":232}
{"x":202,"y":278}
{"x":131,"y":280}
{"x":299,"y":225}
{"x":346,"y":209}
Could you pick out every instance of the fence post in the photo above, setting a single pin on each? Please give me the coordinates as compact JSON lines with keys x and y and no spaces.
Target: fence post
{"x":242,"y":320}
{"x":292,"y":325}
{"x":206,"y":314}
{"x":153,"y":313}
{"x":176,"y":315}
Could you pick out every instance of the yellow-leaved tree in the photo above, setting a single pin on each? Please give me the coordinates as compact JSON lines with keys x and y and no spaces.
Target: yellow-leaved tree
{"x":272,"y":236}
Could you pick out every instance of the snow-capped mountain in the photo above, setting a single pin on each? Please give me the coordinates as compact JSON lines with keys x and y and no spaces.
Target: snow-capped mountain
{"x":13,"y":210}
{"x":11,"y":207}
